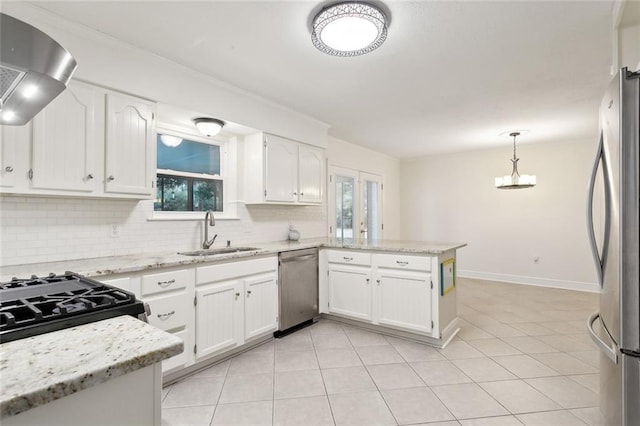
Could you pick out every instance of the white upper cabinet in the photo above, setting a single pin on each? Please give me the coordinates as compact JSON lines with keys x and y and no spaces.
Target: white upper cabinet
{"x":311,"y":165}
{"x":13,"y":167}
{"x":89,"y":142}
{"x":130,"y":145}
{"x":282,"y":171}
{"x":66,"y":137}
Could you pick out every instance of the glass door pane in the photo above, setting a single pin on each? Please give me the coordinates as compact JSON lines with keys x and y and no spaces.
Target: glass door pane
{"x":345,"y":196}
{"x":371,"y":223}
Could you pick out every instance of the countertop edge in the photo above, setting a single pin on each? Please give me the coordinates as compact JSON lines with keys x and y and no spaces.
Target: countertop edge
{"x":27,"y":400}
{"x":151,"y":261}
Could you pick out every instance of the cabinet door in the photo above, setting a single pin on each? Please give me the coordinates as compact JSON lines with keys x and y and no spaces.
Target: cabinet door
{"x":311,"y":166}
{"x":281,"y":169}
{"x":350,"y":291}
{"x":12,"y":138}
{"x":130,"y":146}
{"x":260,"y":305}
{"x":66,"y":135}
{"x":403,"y":300}
{"x":219,"y":312}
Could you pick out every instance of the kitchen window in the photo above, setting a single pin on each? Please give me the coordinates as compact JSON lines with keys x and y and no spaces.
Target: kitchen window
{"x":189,"y":175}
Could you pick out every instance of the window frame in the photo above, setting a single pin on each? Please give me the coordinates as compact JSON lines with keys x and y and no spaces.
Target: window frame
{"x":227,"y":181}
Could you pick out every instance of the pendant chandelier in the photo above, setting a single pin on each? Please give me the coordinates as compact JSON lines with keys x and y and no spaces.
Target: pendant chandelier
{"x":515,"y":180}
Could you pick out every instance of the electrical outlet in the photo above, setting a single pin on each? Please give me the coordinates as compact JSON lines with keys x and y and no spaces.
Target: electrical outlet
{"x":114,"y":230}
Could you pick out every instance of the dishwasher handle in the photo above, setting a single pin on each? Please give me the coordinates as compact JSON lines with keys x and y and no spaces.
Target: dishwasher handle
{"x":300,"y":258}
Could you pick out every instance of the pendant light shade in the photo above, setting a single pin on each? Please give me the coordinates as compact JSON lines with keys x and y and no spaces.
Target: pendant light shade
{"x":349,"y":29}
{"x":208,"y":126}
{"x":170,"y":140}
{"x":515,"y":180}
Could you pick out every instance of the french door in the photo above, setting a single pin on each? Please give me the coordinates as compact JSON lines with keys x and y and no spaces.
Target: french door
{"x":355,"y":204}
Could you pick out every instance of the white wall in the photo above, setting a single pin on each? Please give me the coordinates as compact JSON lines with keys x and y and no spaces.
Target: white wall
{"x":40,"y":229}
{"x":345,"y":154}
{"x":453,"y":198}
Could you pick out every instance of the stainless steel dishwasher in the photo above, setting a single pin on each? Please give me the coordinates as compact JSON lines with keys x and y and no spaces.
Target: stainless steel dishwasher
{"x":298,"y":287}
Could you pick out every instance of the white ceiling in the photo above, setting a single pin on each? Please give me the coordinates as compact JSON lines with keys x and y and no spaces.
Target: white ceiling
{"x":451,"y":75}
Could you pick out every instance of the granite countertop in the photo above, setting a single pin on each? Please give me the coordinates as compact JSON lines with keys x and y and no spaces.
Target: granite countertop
{"x":100,"y":266}
{"x":43,"y":368}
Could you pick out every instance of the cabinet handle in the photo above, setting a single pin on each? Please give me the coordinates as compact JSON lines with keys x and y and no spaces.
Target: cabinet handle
{"x":378,"y":281}
{"x":302,"y":193}
{"x":89,"y":176}
{"x":166,"y":283}
{"x":368,"y":280}
{"x":110,"y":178}
{"x":237,"y":295}
{"x":8,"y":169}
{"x":248,"y":293}
{"x":295,"y":193}
{"x":167,"y":315}
{"x":348,"y":259}
{"x":401,"y":263}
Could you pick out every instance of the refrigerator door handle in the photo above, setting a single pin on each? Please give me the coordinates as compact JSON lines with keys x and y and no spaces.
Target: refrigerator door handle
{"x":610,"y":351}
{"x":600,"y":260}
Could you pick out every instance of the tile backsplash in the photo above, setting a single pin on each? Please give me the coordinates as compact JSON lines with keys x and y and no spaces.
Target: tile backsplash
{"x":35,"y":229}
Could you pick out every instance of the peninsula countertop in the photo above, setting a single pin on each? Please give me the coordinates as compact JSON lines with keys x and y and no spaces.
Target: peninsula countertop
{"x":100,"y":266}
{"x":43,"y":368}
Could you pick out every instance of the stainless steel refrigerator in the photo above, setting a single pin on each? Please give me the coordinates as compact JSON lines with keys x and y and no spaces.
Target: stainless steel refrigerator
{"x":614,"y":241}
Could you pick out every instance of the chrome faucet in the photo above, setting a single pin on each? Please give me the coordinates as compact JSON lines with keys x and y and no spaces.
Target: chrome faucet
{"x":208,"y":221}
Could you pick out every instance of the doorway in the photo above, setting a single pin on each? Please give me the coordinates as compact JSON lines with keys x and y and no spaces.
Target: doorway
{"x":355,"y":204}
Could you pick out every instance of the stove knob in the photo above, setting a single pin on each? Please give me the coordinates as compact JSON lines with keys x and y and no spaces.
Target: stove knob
{"x":8,"y":169}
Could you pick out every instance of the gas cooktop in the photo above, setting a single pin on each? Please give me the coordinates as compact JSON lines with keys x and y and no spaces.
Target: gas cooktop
{"x":37,"y":305}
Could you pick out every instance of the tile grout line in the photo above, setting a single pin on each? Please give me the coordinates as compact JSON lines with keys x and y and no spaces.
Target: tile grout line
{"x":324,"y":385}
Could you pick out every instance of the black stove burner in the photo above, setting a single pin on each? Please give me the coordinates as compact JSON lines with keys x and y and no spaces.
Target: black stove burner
{"x":38,"y":305}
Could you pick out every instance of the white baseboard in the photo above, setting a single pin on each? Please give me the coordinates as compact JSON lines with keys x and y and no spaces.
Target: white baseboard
{"x":535,"y":281}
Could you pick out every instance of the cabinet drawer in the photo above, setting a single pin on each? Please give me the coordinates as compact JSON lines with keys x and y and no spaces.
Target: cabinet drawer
{"x":349,"y":257}
{"x":399,"y":261}
{"x":181,"y":359}
{"x":231,"y":270}
{"x":169,"y":312}
{"x":165,"y":281}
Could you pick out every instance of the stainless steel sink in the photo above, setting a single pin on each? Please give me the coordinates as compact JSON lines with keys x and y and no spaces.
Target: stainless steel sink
{"x":213,"y":252}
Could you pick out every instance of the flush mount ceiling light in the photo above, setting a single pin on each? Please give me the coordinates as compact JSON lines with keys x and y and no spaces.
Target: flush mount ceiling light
{"x":209,"y":126}
{"x":349,"y":29}
{"x":515,"y":180}
{"x":170,"y":141}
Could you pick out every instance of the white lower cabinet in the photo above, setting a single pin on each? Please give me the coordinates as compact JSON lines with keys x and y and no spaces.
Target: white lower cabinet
{"x":260,"y":305}
{"x":212,"y":308}
{"x":350,"y":291}
{"x":384,"y":289}
{"x":218,"y":317}
{"x":403,"y":300}
{"x":170,"y":295}
{"x":236,"y":303}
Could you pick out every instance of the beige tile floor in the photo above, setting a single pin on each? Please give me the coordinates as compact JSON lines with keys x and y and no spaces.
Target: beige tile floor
{"x":522,"y":357}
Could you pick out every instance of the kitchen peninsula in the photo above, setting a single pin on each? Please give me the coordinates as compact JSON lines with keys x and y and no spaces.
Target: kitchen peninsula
{"x":401,"y":288}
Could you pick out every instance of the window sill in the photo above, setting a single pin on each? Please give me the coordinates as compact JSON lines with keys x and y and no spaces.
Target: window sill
{"x":175,"y":217}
